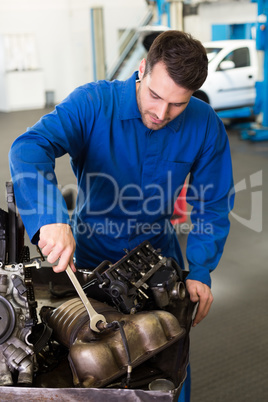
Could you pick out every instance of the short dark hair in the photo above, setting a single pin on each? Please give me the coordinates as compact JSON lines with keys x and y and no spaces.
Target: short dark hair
{"x":185,"y":58}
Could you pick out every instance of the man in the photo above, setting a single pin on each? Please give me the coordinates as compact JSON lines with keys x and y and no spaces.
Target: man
{"x":132,"y":145}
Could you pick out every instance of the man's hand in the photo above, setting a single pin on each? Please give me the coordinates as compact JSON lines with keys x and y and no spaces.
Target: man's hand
{"x":57,"y":243}
{"x":199,"y":292}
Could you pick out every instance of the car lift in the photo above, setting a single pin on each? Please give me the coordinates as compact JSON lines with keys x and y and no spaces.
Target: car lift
{"x":256,"y":131}
{"x":259,"y":131}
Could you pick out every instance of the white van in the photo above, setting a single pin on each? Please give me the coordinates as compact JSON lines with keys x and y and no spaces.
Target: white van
{"x":232,"y":73}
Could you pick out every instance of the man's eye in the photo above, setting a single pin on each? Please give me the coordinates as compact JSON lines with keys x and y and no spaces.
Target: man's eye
{"x":154,"y":96}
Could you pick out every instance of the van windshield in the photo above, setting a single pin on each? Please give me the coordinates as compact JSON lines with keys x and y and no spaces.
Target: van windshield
{"x":212,"y":52}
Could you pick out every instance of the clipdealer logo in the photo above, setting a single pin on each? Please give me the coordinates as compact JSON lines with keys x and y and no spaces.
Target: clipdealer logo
{"x":250,"y":188}
{"x":254,"y":222}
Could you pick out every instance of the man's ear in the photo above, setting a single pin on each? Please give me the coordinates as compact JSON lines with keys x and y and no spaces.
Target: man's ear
{"x":142,"y":69}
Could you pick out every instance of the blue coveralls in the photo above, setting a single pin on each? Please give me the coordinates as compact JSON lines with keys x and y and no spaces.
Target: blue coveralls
{"x":128,"y":176}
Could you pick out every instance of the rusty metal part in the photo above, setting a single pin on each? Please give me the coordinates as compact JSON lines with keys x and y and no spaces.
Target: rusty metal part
{"x":96,"y":359}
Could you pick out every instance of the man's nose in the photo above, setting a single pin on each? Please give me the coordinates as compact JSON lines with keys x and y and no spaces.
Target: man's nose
{"x":162,"y":111}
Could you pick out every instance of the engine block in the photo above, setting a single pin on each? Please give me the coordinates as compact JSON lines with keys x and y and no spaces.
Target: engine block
{"x":17,"y":317}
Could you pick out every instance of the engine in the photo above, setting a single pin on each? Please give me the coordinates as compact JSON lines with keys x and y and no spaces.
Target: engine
{"x":142,"y":278}
{"x":18,"y":316}
{"x":148,"y":315}
{"x":143,"y":341}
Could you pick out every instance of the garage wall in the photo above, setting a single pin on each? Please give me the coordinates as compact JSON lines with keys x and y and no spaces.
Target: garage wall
{"x":62,"y":31}
{"x":50,"y":23}
{"x":222,"y":12}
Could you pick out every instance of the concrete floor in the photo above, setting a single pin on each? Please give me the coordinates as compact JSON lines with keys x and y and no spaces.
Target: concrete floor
{"x":229,"y":353}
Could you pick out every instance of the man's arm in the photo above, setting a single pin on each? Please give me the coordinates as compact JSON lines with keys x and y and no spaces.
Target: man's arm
{"x":32,"y":162}
{"x":211,"y":197}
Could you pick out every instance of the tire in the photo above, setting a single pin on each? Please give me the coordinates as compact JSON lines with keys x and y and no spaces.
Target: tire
{"x":201,"y":95}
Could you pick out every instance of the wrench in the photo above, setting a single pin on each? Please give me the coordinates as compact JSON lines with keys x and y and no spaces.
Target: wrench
{"x":94,"y":317}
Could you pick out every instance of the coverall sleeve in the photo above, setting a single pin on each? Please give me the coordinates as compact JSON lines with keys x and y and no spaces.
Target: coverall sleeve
{"x":210,"y":193}
{"x":32,"y":160}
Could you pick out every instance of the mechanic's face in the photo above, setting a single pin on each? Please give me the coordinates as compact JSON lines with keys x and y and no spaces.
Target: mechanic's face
{"x":159,"y":99}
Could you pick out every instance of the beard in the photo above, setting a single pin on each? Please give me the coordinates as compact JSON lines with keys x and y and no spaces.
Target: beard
{"x":147,"y":116}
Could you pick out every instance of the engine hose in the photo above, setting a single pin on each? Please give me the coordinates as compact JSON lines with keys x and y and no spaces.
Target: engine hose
{"x":120,"y":325}
{"x":60,"y":294}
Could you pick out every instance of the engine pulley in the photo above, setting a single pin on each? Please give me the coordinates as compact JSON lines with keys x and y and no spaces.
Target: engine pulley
{"x":7,"y":319}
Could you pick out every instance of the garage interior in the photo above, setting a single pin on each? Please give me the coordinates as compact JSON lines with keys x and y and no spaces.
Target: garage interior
{"x":229,"y":349}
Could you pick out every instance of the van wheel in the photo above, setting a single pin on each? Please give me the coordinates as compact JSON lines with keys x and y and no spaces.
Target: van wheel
{"x":201,"y":95}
